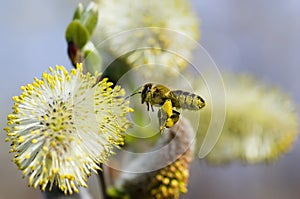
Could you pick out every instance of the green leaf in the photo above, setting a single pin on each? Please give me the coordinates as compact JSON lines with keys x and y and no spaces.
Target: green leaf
{"x":77,"y":33}
{"x":92,"y":59}
{"x":78,"y":12}
{"x":116,"y":193}
{"x":89,"y":17}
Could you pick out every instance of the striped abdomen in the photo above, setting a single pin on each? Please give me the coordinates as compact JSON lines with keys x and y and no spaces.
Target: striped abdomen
{"x":189,"y":100}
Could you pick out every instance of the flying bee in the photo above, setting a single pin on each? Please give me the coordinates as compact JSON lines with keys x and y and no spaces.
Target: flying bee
{"x":167,"y":100}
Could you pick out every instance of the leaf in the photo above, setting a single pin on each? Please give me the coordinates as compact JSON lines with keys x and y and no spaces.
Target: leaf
{"x":77,"y":33}
{"x":92,"y":59}
{"x":78,"y":12}
{"x":89,"y":17}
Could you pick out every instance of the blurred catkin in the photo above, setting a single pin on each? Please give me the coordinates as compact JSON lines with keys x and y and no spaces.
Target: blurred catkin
{"x":261,"y":123}
{"x":153,"y":33}
{"x":166,"y":174}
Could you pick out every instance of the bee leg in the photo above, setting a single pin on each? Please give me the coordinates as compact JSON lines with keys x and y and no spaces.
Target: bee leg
{"x":152,"y":108}
{"x":167,"y":107}
{"x":175,"y":116}
{"x":147,"y":106}
{"x":167,"y":117}
{"x":172,"y":120}
{"x":161,"y":129}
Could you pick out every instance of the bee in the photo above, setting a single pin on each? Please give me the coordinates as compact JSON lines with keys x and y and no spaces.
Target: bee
{"x":167,"y":99}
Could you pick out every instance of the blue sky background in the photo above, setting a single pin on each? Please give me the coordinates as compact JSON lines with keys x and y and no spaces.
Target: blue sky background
{"x":256,"y":37}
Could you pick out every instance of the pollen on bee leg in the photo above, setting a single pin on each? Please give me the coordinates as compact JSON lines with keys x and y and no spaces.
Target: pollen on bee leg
{"x":169,"y":123}
{"x":167,"y":106}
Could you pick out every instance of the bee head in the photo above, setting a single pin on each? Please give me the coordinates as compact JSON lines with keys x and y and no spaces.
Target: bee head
{"x":145,"y":90}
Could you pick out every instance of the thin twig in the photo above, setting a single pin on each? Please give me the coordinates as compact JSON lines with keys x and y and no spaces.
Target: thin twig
{"x":103,"y":184}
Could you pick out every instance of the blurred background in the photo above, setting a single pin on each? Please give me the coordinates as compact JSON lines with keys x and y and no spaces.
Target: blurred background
{"x":256,"y":37}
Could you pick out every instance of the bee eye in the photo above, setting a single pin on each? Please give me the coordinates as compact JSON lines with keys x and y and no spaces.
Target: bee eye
{"x":148,"y":88}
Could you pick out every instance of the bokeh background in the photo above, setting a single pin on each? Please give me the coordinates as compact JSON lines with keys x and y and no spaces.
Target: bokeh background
{"x":256,"y":37}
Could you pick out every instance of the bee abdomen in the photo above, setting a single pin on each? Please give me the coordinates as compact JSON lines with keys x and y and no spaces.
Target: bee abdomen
{"x":189,"y":100}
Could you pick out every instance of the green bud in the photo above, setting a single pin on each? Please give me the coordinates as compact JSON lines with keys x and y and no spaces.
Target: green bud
{"x":78,"y":12}
{"x":77,"y":33}
{"x":89,"y":17}
{"x":92,"y":59}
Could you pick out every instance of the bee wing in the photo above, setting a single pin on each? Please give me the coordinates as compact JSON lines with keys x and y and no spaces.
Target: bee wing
{"x":162,"y":88}
{"x":162,"y":119}
{"x":174,"y":99}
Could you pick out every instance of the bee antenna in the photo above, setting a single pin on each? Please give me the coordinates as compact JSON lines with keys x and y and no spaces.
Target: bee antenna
{"x":138,"y":92}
